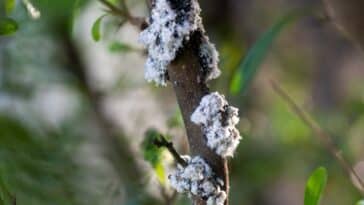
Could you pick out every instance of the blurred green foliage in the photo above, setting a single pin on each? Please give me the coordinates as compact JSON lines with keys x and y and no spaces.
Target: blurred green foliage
{"x":38,"y":167}
{"x":254,"y":58}
{"x":119,"y":47}
{"x":9,"y":6}
{"x":176,"y":120}
{"x":8,"y":26}
{"x":360,"y":202}
{"x":154,"y":154}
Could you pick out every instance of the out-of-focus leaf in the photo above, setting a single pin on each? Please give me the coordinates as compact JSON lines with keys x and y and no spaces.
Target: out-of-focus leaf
{"x":251,"y":63}
{"x":361,"y":202}
{"x":8,"y":26}
{"x":150,"y":151}
{"x":153,"y":154}
{"x":59,"y":12}
{"x":9,"y":6}
{"x":315,"y":186}
{"x":37,"y":168}
{"x":96,"y":29}
{"x":176,"y":120}
{"x":160,"y":172}
{"x":116,"y":46}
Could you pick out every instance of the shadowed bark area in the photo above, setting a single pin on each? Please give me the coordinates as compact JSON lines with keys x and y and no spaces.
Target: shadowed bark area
{"x":185,"y":74}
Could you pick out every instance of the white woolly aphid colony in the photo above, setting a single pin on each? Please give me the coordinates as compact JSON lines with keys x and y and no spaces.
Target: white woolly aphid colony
{"x":171,"y":23}
{"x":218,"y":120}
{"x":209,"y":58}
{"x":198,"y":179}
{"x":170,"y":26}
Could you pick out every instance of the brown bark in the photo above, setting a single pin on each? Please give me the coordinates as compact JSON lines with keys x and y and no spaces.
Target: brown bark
{"x":185,"y":74}
{"x":349,"y":16}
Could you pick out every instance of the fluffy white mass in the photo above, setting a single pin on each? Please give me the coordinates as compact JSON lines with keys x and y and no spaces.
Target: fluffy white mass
{"x":218,"y":121}
{"x":197,"y":179}
{"x":168,"y":27}
{"x":209,"y":59}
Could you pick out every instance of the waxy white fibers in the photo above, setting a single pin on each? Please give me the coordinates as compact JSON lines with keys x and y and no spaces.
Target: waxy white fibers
{"x":170,"y":24}
{"x":218,"y":121}
{"x":209,"y":59}
{"x":197,"y":179}
{"x":164,"y":36}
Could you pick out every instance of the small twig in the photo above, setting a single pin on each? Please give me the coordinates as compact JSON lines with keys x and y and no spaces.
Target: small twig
{"x":124,"y":13}
{"x":162,"y":142}
{"x":325,"y":137}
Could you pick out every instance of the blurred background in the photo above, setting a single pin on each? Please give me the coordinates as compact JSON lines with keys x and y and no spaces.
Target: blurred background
{"x":74,"y":112}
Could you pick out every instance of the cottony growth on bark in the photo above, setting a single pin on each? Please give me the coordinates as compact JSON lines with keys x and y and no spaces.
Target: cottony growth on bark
{"x":172,"y":25}
{"x":198,"y":179}
{"x":218,"y":120}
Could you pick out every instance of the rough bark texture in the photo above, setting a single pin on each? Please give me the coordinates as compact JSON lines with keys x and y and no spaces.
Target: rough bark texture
{"x":185,"y":74}
{"x":349,"y":16}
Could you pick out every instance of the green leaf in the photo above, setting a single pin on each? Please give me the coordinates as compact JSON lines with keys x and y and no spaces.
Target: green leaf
{"x":154,"y":154}
{"x":251,"y":63}
{"x":96,"y":29}
{"x":9,"y":6}
{"x":8,"y":26}
{"x":361,"y":202}
{"x":315,"y":186}
{"x":150,"y":151}
{"x":116,"y":46}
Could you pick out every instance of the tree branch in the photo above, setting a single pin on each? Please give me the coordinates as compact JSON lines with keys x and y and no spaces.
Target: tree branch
{"x":184,"y":73}
{"x":162,"y":142}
